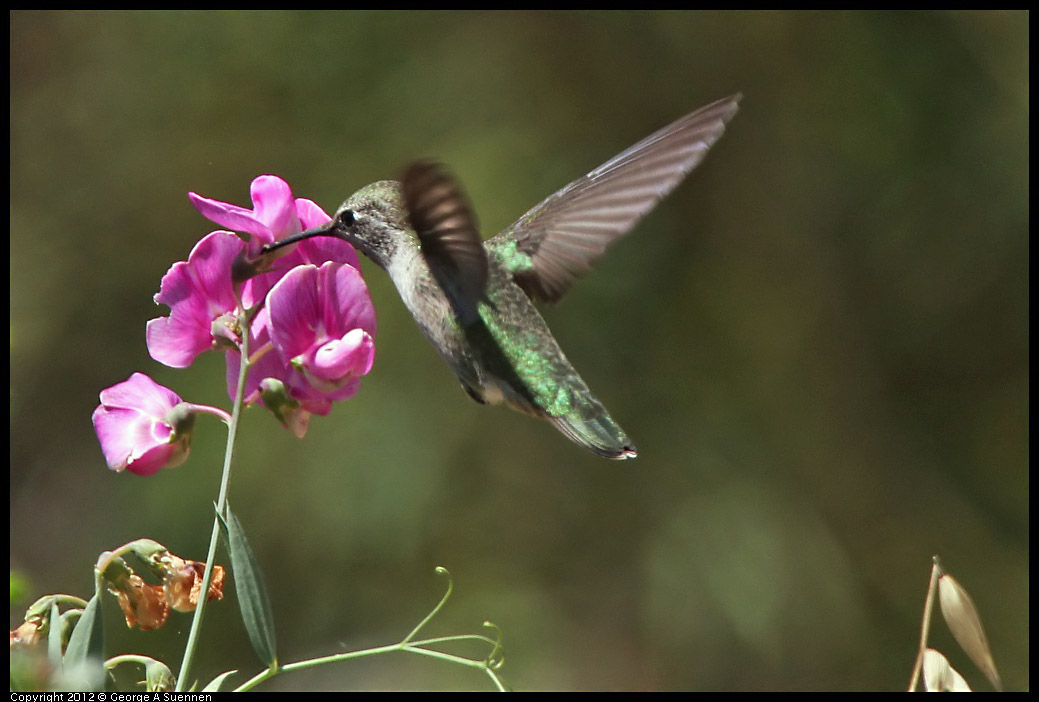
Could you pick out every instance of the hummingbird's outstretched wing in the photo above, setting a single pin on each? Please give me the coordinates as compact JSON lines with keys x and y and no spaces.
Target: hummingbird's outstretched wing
{"x":563,"y":236}
{"x":442,"y":218}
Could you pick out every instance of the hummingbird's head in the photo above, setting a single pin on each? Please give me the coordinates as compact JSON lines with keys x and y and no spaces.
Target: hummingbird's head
{"x":373,"y":220}
{"x":381,"y":201}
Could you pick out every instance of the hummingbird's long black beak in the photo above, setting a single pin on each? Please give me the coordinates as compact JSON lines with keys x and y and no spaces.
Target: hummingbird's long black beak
{"x":246,"y":266}
{"x":324,"y":230}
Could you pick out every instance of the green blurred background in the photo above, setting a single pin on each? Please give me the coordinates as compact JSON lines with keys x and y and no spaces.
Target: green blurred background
{"x":819,"y":342}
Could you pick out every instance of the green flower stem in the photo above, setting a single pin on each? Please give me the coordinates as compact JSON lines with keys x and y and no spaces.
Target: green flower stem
{"x":232,"y":432}
{"x":490,"y":664}
{"x":495,"y":679}
{"x":206,"y":409}
{"x":440,"y":570}
{"x":128,"y":658}
{"x":416,"y":647}
{"x":457,"y":637}
{"x":43,"y":605}
{"x":110,"y":556}
{"x":71,"y":600}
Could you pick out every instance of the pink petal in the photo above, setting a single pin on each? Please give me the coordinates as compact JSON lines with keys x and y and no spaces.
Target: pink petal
{"x":233,"y":217}
{"x":117,"y":444}
{"x":158,"y":457}
{"x":176,"y":341}
{"x":348,"y":300}
{"x":139,"y":392}
{"x":310,"y":214}
{"x":313,"y":401}
{"x":343,"y":358}
{"x":273,"y":205}
{"x":345,"y":392}
{"x":205,"y":276}
{"x":321,"y":249}
{"x":296,"y":312}
{"x":197,"y":291}
{"x":126,"y":435}
{"x":176,"y":286}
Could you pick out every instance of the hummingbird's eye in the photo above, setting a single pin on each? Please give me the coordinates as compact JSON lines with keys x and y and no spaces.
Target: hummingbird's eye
{"x":346,"y":218}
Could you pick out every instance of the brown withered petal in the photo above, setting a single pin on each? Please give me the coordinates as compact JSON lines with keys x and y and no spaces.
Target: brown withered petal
{"x":143,"y":605}
{"x":178,"y":585}
{"x":939,"y":676}
{"x":27,"y":634}
{"x":183,"y":584}
{"x":965,"y":624}
{"x":129,"y":610}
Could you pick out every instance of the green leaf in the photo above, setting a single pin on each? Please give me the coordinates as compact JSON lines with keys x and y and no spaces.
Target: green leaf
{"x":85,"y":649}
{"x":215,"y":683}
{"x":252,"y":594}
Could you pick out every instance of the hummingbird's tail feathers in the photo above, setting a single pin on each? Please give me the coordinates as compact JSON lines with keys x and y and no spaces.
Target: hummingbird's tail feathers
{"x":599,"y":434}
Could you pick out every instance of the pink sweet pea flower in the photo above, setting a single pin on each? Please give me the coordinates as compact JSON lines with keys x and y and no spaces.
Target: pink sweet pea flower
{"x":276,"y":215}
{"x":201,"y":300}
{"x":312,"y":342}
{"x":322,"y":322}
{"x":143,"y":426}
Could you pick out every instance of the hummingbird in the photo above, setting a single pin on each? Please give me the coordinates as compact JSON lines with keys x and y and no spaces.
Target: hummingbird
{"x":474,"y":299}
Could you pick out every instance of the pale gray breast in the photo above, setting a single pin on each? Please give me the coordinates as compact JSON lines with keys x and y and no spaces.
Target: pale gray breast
{"x":432,"y":311}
